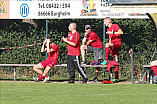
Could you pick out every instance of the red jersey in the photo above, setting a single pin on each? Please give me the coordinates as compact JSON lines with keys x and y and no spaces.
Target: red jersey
{"x":114,"y":37}
{"x":75,"y":38}
{"x":55,"y":53}
{"x":96,"y":40}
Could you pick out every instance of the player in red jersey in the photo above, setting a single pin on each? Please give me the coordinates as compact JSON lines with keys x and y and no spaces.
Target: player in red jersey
{"x":114,"y":44}
{"x":91,"y":43}
{"x":73,"y":58}
{"x":154,"y":68}
{"x":53,"y":52}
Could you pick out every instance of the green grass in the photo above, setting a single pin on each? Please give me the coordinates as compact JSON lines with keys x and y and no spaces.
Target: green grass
{"x":60,"y":93}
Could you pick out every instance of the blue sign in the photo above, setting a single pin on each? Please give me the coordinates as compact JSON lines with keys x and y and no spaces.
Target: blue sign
{"x":24,"y":10}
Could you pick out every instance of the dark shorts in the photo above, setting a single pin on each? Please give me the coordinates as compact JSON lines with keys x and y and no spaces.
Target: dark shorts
{"x":98,"y":52}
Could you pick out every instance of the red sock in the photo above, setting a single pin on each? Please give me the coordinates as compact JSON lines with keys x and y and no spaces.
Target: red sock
{"x":116,"y":70}
{"x":41,"y":77}
{"x":107,"y":53}
{"x":46,"y":75}
{"x":154,"y":69}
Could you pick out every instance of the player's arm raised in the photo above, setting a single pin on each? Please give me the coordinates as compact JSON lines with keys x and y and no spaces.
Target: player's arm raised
{"x":48,"y":46}
{"x":84,"y":40}
{"x":43,"y":49}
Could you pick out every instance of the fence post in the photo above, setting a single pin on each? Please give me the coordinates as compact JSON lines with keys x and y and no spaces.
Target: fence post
{"x":46,"y":35}
{"x":104,"y":43}
{"x":79,"y":78}
{"x":14,"y":74}
{"x":132,"y":67}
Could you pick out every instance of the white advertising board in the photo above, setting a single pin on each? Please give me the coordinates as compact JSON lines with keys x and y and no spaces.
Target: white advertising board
{"x":71,"y":9}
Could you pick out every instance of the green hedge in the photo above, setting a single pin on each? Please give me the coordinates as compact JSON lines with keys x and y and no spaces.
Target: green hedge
{"x":138,"y":35}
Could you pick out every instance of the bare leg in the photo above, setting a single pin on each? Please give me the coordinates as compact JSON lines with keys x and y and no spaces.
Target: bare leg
{"x":153,"y":63}
{"x":108,"y":45}
{"x":37,"y":68}
{"x":83,"y":47}
{"x":47,"y":69}
{"x":43,"y":74}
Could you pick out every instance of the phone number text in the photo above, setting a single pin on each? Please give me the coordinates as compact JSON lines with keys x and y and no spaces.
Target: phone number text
{"x":54,"y":5}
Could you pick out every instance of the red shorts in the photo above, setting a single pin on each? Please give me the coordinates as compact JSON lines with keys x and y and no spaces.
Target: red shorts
{"x":116,"y":47}
{"x":49,"y":63}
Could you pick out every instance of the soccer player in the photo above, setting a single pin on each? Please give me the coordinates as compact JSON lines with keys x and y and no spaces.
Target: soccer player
{"x":91,"y":43}
{"x":114,"y":32}
{"x":53,"y":52}
{"x":73,"y":58}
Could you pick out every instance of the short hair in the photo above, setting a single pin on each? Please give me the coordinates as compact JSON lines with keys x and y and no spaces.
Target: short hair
{"x":74,"y":25}
{"x":108,"y":18}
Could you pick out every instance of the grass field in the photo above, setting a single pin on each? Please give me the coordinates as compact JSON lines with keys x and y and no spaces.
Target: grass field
{"x":61,"y":93}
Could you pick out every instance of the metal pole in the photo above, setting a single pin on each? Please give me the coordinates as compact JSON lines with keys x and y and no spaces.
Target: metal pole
{"x":46,"y":28}
{"x":14,"y":74}
{"x":111,"y":74}
{"x":79,"y":78}
{"x":46,"y":35}
{"x":104,"y":42}
{"x":132,"y":67}
{"x":104,"y":38}
{"x":147,"y":74}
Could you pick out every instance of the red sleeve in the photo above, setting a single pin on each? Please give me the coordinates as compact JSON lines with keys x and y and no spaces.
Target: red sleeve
{"x":92,"y":36}
{"x":76,"y":38}
{"x":55,"y":47}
